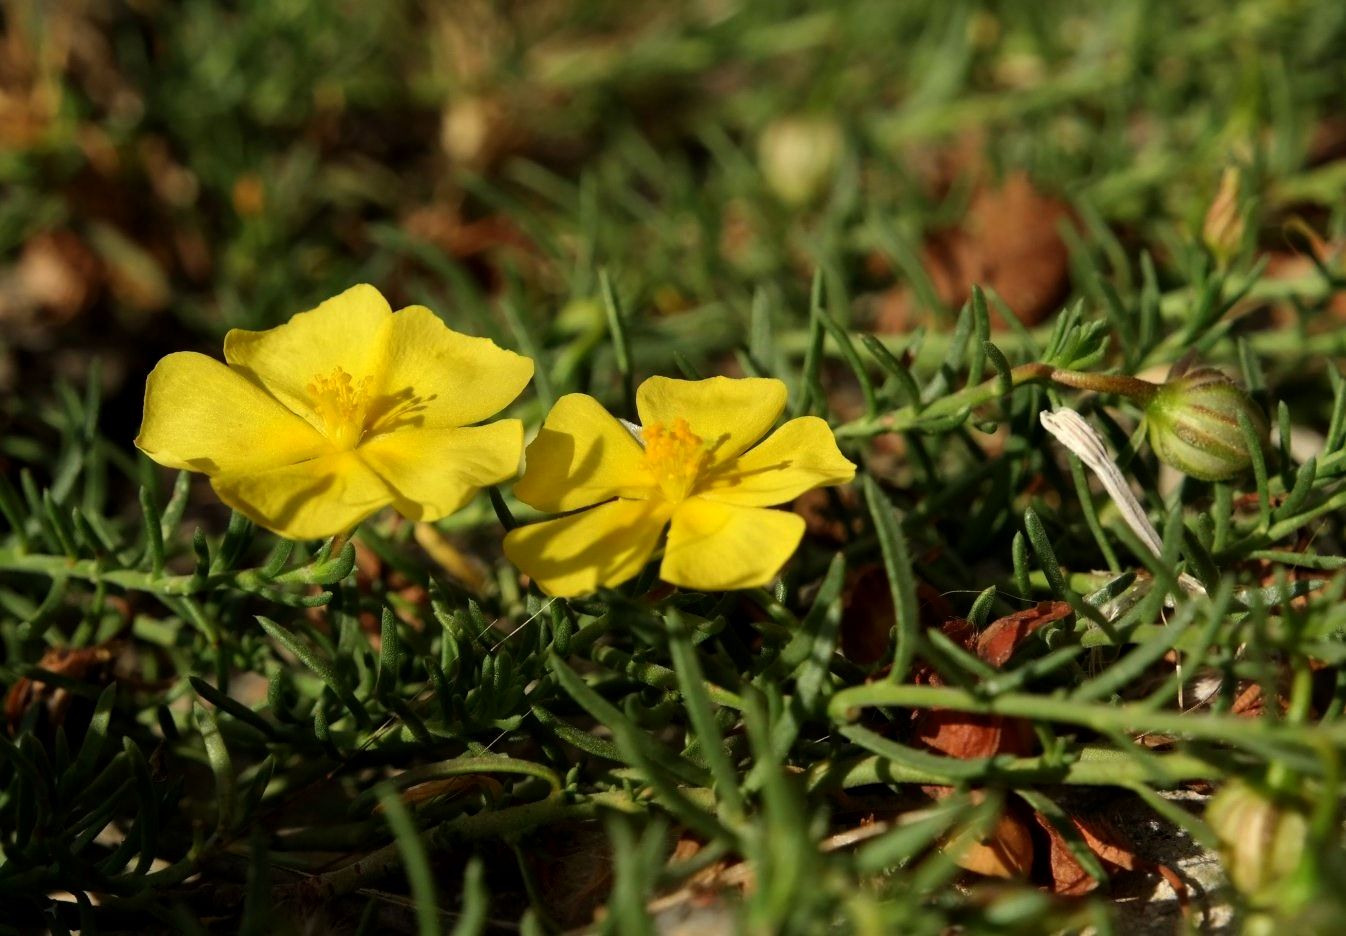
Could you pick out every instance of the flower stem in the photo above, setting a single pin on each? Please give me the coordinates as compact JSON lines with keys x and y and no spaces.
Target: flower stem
{"x":909,"y":417}
{"x":1256,"y":734}
{"x":1141,"y":391}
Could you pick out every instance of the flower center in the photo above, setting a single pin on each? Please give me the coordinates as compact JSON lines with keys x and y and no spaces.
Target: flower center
{"x":341,"y":403}
{"x":675,"y":457}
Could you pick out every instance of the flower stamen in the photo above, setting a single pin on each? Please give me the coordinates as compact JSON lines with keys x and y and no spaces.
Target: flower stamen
{"x":341,"y":403}
{"x":675,"y":457}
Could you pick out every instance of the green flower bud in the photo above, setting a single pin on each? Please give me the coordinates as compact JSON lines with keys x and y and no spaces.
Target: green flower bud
{"x":1193,"y":423}
{"x":1261,"y":841}
{"x":1223,"y":229}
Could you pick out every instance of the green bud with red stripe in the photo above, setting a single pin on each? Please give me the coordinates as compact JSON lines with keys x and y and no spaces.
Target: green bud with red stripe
{"x":1193,"y":424}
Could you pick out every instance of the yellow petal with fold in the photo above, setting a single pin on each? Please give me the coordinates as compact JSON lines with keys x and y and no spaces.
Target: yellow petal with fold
{"x":434,"y":472}
{"x":729,"y":414}
{"x":578,"y":554}
{"x":715,"y":547}
{"x":310,"y":500}
{"x":431,"y":377}
{"x":799,"y":456}
{"x":343,"y":332}
{"x":202,"y":416}
{"x":582,"y":455}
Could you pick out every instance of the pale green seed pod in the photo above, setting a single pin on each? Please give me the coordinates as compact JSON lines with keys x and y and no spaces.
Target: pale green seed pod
{"x":1193,"y":424}
{"x":1261,"y":841}
{"x":799,"y":157}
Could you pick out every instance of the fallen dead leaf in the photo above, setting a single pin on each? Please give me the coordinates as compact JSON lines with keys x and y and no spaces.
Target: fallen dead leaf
{"x":997,"y":643}
{"x":1006,"y":852}
{"x":93,"y":664}
{"x":868,"y":618}
{"x":1114,"y":851}
{"x":1010,"y":241}
{"x":967,"y":735}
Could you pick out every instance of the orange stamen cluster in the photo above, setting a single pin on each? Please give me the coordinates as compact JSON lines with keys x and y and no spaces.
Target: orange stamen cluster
{"x":341,"y":403}
{"x":675,"y":457}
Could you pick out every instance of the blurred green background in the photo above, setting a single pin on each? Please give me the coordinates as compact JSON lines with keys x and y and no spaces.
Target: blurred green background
{"x":174,"y":169}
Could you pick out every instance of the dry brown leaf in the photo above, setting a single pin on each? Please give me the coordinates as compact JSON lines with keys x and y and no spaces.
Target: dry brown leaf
{"x":1068,"y":877}
{"x":967,"y":735}
{"x":867,"y":617}
{"x":1010,"y":241}
{"x":451,"y":786}
{"x":84,"y":663}
{"x":1007,"y":852}
{"x":1002,"y":637}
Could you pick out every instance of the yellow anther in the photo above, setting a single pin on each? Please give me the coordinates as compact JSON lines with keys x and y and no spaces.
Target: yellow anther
{"x":341,"y":403}
{"x":675,"y":457}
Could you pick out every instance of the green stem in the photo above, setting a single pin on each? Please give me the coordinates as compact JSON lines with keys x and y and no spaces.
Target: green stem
{"x":1141,"y":391}
{"x":908,"y":417}
{"x":93,"y":570}
{"x":1094,"y":766}
{"x":1100,"y":718}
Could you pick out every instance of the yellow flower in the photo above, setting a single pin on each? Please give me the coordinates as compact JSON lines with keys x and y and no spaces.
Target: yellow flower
{"x":316,"y":424}
{"x":692,"y":468}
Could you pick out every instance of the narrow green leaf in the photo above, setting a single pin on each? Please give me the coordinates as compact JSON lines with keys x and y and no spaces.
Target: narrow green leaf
{"x":684,"y":364}
{"x":1003,"y":372}
{"x":911,"y":391}
{"x":1299,"y":494}
{"x":502,"y":511}
{"x":1254,"y":443}
{"x":691,"y":681}
{"x":901,"y":580}
{"x":11,"y":507}
{"x":95,"y":737}
{"x":621,"y":340}
{"x":390,"y":655}
{"x":234,"y":707}
{"x":1019,"y":554}
{"x":177,"y":505}
{"x":981,"y":323}
{"x":415,"y":861}
{"x":217,"y":754}
{"x":981,"y":608}
{"x":321,"y":667}
{"x":1042,"y":546}
{"x":853,"y":361}
{"x":154,"y":531}
{"x":476,"y":900}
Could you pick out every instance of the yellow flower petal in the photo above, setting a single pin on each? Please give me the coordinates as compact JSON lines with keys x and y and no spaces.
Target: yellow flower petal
{"x":582,"y":455}
{"x":313,"y":499}
{"x":797,"y":457}
{"x":343,"y":332}
{"x":434,"y":472}
{"x":202,"y":416}
{"x":602,"y":546}
{"x":432,"y":377}
{"x":715,"y":547}
{"x":728,"y":414}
